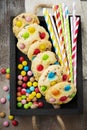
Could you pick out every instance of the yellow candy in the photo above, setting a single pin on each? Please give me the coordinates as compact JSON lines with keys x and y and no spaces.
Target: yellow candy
{"x":29,"y":84}
{"x":10,"y":117}
{"x":31,"y":29}
{"x":42,"y":47}
{"x":19,"y":99}
{"x":35,"y":84}
{"x":38,"y":95}
{"x":20,"y":66}
{"x":19,"y":24}
{"x":34,"y":93}
{"x":53,"y":83}
{"x":31,"y":96}
{"x":23,"y":73}
{"x":24,"y":63}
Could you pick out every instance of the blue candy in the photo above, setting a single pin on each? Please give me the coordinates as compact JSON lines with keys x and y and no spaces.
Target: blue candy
{"x":26,"y":68}
{"x":67,"y":88}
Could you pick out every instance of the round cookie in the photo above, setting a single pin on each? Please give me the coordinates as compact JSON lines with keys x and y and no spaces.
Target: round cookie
{"x":38,"y":47}
{"x":21,"y":20}
{"x":41,"y":62}
{"x":29,"y":35}
{"x":51,"y":76}
{"x":61,"y":93}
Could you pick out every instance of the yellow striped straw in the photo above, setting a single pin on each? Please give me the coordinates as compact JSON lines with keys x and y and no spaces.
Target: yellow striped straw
{"x":52,"y":34}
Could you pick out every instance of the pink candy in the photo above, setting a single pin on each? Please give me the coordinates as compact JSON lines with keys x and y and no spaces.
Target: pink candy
{"x":28,"y":19}
{"x":52,"y":100}
{"x":6,"y":88}
{"x":6,"y":123}
{"x":29,"y":73}
{"x":20,"y":77}
{"x":22,"y":46}
{"x":3,"y":100}
{"x":23,"y":101}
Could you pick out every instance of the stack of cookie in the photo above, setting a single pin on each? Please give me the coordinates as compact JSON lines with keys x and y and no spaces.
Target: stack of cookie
{"x":33,"y":41}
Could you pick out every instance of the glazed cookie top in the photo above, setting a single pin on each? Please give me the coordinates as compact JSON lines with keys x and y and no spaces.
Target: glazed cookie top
{"x":21,"y":20}
{"x":29,"y":35}
{"x":51,"y":76}
{"x":41,"y":62}
{"x":61,"y":93}
{"x":37,"y":47}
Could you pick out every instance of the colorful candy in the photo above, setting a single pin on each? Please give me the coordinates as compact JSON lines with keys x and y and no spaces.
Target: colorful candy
{"x":3,"y":70}
{"x":14,"y":123}
{"x":7,"y":76}
{"x":3,"y":100}
{"x":5,"y":88}
{"x":40,"y":67}
{"x":6,"y":123}
{"x":27,"y":89}
{"x":2,"y":114}
{"x":10,"y":117}
{"x":42,"y":35}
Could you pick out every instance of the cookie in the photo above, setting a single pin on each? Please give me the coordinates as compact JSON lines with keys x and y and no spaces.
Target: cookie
{"x":38,"y":47}
{"x":23,"y":19}
{"x":41,"y":62}
{"x":51,"y":76}
{"x":29,"y":35}
{"x":61,"y":93}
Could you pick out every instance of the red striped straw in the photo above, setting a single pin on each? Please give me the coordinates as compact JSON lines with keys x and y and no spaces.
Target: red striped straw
{"x":74,"y":49}
{"x":60,"y":33}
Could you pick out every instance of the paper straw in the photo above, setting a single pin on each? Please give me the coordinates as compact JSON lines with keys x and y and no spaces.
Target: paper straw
{"x":68,"y":43}
{"x":52,"y":34}
{"x":74,"y":50}
{"x":54,"y":27}
{"x":74,"y":17}
{"x":60,"y":32}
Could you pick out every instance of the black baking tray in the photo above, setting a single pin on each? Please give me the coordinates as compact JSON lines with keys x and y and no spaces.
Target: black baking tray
{"x":73,"y":107}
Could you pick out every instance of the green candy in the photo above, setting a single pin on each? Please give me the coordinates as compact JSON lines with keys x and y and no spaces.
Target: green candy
{"x":19,"y":104}
{"x":30,"y":104}
{"x":45,"y":57}
{"x":43,"y":88}
{"x":23,"y":96}
{"x":25,"y":35}
{"x":26,"y":106}
{"x":8,"y":70}
{"x":73,"y":95}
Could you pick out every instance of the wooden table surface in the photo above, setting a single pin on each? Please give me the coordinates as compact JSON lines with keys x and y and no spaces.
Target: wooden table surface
{"x":73,"y":122}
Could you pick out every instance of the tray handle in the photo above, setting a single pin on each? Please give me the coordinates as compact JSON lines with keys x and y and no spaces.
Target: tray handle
{"x":41,"y":6}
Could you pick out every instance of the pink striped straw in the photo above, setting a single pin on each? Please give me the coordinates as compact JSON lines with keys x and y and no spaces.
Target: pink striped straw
{"x":74,"y":49}
{"x":61,"y":37}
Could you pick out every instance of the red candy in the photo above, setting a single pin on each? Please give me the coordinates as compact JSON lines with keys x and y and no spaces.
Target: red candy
{"x":64,"y":78}
{"x":40,"y":104}
{"x":63,"y":98}
{"x":23,"y":91}
{"x":37,"y":90}
{"x":14,"y":123}
{"x":25,"y":78}
{"x":3,"y":70}
{"x":36,"y":51}
{"x":19,"y":89}
{"x":40,"y":67}
{"x":24,"y":85}
{"x":42,"y":35}
{"x":21,"y":59}
{"x":35,"y":103}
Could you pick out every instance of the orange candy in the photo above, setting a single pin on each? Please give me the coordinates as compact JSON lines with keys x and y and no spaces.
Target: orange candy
{"x":7,"y":76}
{"x":55,"y":92}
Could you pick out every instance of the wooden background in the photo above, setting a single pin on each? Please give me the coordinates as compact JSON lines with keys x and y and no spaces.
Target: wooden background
{"x":73,"y":122}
